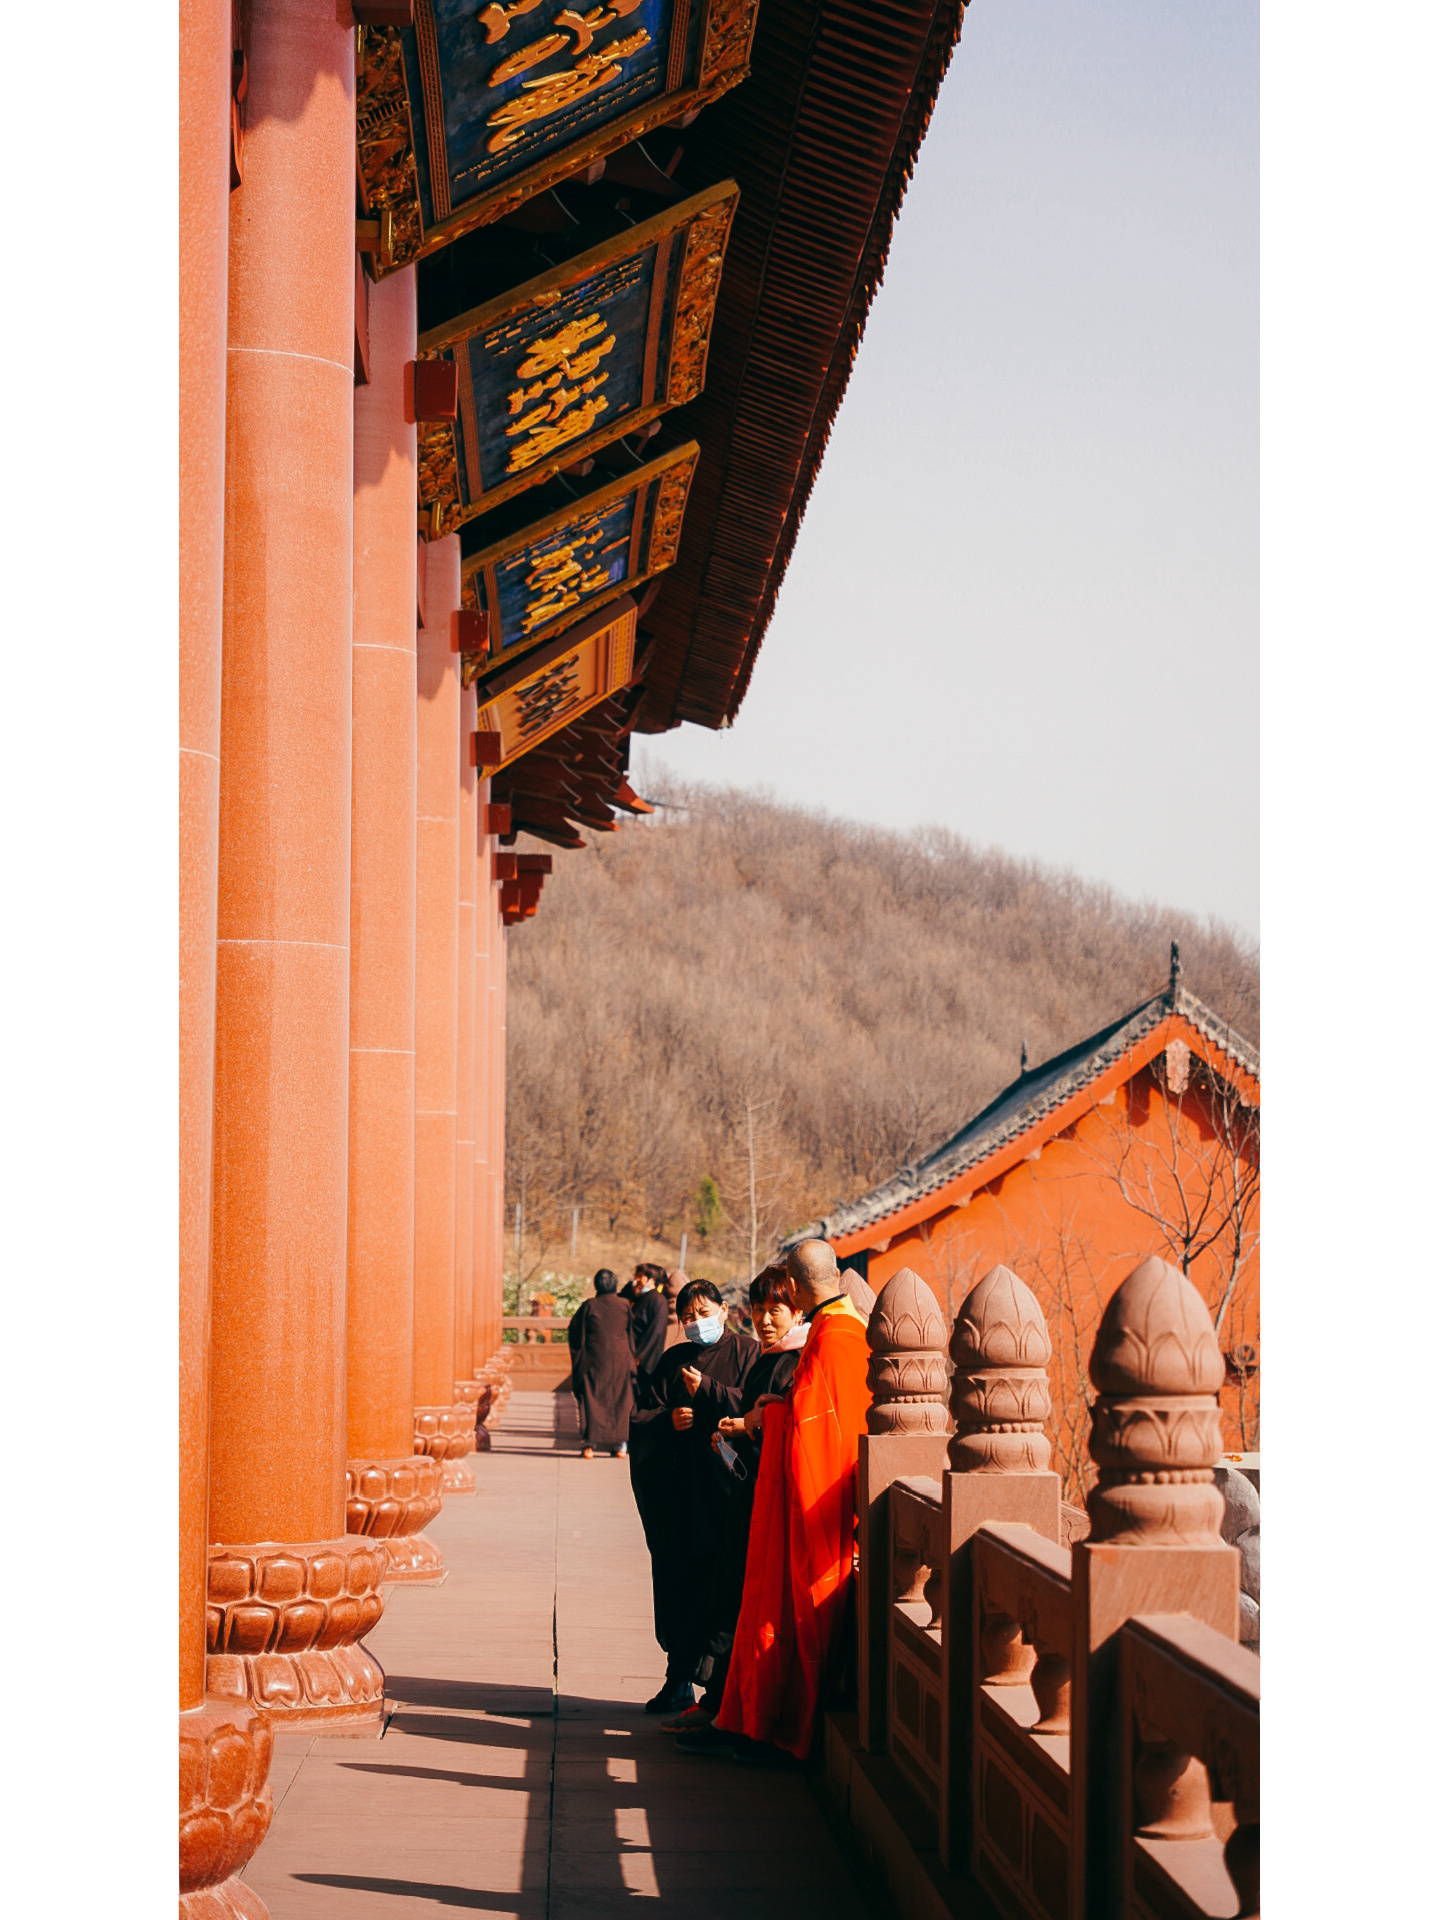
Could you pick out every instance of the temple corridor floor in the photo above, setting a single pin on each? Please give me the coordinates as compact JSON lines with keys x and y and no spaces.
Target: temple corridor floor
{"x":517,"y":1775}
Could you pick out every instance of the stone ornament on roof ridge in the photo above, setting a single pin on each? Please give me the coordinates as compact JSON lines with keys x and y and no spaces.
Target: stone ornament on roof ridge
{"x":906,"y":1336}
{"x":1000,"y":1391}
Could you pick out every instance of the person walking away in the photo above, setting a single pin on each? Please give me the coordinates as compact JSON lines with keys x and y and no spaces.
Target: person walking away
{"x":799,"y":1570}
{"x":781,"y":1333}
{"x":681,"y":1488}
{"x":602,"y":1368}
{"x":649,"y":1318}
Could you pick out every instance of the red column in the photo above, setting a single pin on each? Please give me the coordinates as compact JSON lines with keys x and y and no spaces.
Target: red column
{"x":289,"y":1594}
{"x":465,"y":1066}
{"x":437,"y":935}
{"x":390,"y":1493}
{"x":486,"y":1332}
{"x":500,"y":936}
{"x":204,"y":247}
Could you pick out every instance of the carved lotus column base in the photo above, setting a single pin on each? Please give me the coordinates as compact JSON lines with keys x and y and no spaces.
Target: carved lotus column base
{"x":415,"y":1561}
{"x":389,"y":1502}
{"x":225,"y":1808}
{"x":283,"y":1625}
{"x":231,"y":1900}
{"x":447,"y":1434}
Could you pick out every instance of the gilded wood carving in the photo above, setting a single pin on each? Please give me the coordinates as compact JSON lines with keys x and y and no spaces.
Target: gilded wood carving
{"x":473,"y":110}
{"x":574,"y":359}
{"x":535,"y":583}
{"x":583,"y":667}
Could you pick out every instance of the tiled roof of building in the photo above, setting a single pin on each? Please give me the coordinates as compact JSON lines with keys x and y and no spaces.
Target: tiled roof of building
{"x":1024,"y":1105}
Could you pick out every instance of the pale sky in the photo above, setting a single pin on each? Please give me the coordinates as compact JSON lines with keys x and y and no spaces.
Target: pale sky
{"x":1024,"y":601}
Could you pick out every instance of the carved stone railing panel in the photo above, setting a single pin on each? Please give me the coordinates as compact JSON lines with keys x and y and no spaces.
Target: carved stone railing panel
{"x":1023,"y":1653}
{"x":1190,"y":1748}
{"x":918,"y":1549}
{"x":1000,"y":1391}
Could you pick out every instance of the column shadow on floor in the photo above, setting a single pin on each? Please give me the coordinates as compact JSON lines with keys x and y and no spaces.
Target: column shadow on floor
{"x":414,"y":1890}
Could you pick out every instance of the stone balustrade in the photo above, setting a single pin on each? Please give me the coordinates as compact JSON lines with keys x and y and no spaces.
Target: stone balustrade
{"x":1061,"y":1697}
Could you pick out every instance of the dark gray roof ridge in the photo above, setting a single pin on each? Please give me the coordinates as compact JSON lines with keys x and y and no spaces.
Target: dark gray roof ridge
{"x":1026,"y":1101}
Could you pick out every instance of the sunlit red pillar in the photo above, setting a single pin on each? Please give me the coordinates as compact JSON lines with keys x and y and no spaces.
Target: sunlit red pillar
{"x":465,"y":1061}
{"x":498,"y":987}
{"x":205,"y":105}
{"x":486,"y":1332}
{"x":290,"y":1595}
{"x":204,"y":247}
{"x":390,"y":1493}
{"x":437,"y":952}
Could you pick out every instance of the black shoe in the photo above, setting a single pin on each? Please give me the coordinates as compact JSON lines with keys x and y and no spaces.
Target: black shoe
{"x":708,"y":1740}
{"x":673,"y":1697}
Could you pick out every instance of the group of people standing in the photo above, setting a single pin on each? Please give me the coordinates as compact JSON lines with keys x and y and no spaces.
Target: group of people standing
{"x":742,"y":1460}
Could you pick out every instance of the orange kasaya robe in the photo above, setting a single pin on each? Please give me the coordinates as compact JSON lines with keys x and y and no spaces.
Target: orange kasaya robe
{"x":802,"y":1539}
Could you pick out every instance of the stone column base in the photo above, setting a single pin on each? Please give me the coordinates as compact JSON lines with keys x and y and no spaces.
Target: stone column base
{"x":225,"y":1808}
{"x":456,"y":1477}
{"x":389,"y":1502}
{"x":283,"y":1625}
{"x":447,"y":1434}
{"x":415,"y":1561}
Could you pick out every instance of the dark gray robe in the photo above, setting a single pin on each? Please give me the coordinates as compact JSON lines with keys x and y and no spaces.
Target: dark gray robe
{"x":649,"y":1316}
{"x":602,"y":1369}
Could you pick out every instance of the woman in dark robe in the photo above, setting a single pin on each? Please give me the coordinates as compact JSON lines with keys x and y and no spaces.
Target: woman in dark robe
{"x":602,"y":1367}
{"x":780,"y":1331}
{"x":649,"y":1317}
{"x":682,"y":1488}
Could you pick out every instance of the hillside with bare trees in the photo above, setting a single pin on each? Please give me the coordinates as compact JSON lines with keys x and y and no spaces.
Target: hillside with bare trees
{"x":725,"y":1019}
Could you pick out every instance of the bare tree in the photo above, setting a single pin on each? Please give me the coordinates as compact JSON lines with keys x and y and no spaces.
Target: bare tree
{"x":1182,"y":1144}
{"x":873,"y":986}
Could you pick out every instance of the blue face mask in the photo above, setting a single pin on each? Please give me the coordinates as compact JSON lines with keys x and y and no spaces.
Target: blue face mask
{"x":705,"y":1331}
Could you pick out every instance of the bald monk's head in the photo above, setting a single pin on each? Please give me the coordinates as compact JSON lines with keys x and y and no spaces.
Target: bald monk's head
{"x":814,"y":1273}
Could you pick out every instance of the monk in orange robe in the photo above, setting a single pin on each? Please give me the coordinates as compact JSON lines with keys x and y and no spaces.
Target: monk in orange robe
{"x":800,"y":1561}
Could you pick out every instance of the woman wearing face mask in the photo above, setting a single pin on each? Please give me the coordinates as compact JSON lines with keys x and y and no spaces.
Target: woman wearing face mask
{"x":781,"y":1333}
{"x":681,"y":1488}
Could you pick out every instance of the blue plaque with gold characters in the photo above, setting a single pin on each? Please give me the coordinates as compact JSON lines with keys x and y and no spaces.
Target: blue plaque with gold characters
{"x":465,"y":115}
{"x":535,"y":583}
{"x":570,"y":361}
{"x":521,"y":706}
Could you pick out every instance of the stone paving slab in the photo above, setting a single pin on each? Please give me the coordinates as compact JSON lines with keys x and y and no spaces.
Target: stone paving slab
{"x":516,"y":1775}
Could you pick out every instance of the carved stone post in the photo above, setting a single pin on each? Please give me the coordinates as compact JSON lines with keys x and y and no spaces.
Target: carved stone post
{"x":999,"y":1470}
{"x":1155,"y":1546}
{"x":907,"y":1427}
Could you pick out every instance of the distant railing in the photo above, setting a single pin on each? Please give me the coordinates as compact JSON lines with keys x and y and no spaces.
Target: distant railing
{"x":1078,"y":1722}
{"x":536,"y":1330}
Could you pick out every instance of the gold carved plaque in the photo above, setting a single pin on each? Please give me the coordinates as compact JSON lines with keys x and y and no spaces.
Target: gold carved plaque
{"x":559,"y":367}
{"x":584,"y":666}
{"x":467,"y":114}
